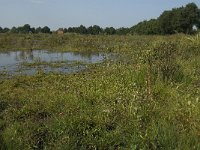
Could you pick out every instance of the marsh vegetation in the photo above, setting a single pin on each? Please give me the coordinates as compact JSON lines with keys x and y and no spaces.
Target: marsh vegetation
{"x":147,"y":98}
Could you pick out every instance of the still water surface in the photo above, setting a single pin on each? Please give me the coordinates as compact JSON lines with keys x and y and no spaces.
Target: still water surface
{"x":12,"y":62}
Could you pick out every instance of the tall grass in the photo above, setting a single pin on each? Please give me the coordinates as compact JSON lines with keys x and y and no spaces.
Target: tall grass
{"x":147,"y":99}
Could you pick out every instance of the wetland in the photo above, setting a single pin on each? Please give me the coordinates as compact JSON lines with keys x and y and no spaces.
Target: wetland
{"x":31,"y":61}
{"x":147,"y":98}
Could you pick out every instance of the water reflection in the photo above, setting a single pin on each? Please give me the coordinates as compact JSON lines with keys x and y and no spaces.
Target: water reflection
{"x":10,"y":62}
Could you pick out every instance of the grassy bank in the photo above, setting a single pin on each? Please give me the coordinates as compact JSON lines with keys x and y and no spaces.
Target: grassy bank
{"x":148,"y":99}
{"x":71,"y":42}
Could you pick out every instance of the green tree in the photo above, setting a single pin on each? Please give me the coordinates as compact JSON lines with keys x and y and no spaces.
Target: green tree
{"x":95,"y":30}
{"x":192,"y":17}
{"x":70,"y":30}
{"x":5,"y":30}
{"x":147,"y":27}
{"x":165,"y":21}
{"x":122,"y":31}
{"x":14,"y":30}
{"x":46,"y":30}
{"x":109,"y":30}
{"x":1,"y":30}
{"x":33,"y":30}
{"x":38,"y":30}
{"x":177,"y":20}
{"x":65,"y":30}
{"x":181,"y":19}
{"x":26,"y":28}
{"x":82,"y":29}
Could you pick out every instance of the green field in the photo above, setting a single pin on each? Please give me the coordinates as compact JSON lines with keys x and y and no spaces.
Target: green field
{"x":149,"y":98}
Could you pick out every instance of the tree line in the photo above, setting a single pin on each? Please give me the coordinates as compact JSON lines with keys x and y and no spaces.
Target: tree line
{"x":26,"y":29}
{"x":94,"y":30}
{"x":178,"y":20}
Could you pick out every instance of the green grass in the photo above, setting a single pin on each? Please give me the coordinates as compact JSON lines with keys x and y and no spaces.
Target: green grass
{"x":71,"y":42}
{"x":147,"y":99}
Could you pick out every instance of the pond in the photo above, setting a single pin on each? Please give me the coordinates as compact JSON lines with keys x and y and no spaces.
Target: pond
{"x":30,"y":62}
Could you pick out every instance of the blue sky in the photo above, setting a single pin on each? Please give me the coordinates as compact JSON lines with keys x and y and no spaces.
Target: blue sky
{"x":66,"y":13}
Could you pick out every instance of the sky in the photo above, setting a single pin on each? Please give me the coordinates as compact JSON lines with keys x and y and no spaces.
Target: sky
{"x":71,"y":13}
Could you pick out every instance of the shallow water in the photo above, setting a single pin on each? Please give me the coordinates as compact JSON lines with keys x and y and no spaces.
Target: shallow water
{"x":12,"y":62}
